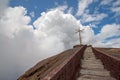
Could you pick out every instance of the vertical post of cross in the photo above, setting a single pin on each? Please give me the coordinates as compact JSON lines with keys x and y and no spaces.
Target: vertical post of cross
{"x":80,"y":38}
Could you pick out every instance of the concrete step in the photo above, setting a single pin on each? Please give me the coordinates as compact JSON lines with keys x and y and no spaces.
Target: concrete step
{"x":89,"y":53}
{"x":90,"y":58}
{"x":88,"y":50}
{"x":95,"y":69}
{"x":92,"y":77}
{"x":92,"y":66}
{"x":95,"y":72}
{"x":91,"y":62}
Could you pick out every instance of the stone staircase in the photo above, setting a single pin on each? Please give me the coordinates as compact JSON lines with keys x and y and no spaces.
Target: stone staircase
{"x":92,"y":68}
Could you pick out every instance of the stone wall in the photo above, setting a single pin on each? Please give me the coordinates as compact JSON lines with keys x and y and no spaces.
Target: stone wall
{"x":69,"y":69}
{"x":111,"y":63}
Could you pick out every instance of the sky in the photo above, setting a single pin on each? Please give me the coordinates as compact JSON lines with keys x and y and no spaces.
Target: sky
{"x":32,"y":30}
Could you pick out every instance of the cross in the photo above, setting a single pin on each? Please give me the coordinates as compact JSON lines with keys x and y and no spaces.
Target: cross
{"x":79,"y":31}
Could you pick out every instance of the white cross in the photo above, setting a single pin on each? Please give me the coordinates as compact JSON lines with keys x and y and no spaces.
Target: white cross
{"x":79,"y":31}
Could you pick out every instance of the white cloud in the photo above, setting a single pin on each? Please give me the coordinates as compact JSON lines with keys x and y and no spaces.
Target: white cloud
{"x":112,"y":43}
{"x":87,"y":35}
{"x":85,"y":15}
{"x":106,"y":2}
{"x":116,"y":3}
{"x":56,"y":23}
{"x":116,"y":8}
{"x":22,"y":46}
{"x":17,"y":43}
{"x":108,"y":31}
{"x":83,"y":4}
{"x":115,"y":43}
{"x":64,"y":8}
{"x":3,"y":6}
{"x":60,"y":7}
{"x":70,"y":10}
{"x":93,"y":17}
{"x":32,"y":14}
{"x":16,"y":20}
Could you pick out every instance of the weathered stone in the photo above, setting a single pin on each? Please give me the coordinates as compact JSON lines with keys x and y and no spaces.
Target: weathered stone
{"x":92,"y":68}
{"x":92,"y":77}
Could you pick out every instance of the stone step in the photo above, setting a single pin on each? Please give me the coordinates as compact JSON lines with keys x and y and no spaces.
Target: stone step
{"x":92,"y":66}
{"x":89,"y":51}
{"x":92,"y":77}
{"x":95,"y":69}
{"x":91,"y":62}
{"x":95,"y":72}
{"x":91,"y":58}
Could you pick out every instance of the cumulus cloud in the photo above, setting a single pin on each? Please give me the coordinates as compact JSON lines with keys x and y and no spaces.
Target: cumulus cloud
{"x":11,"y":22}
{"x":22,"y":46}
{"x":3,"y":6}
{"x":17,"y":43}
{"x":87,"y":35}
{"x":56,"y":23}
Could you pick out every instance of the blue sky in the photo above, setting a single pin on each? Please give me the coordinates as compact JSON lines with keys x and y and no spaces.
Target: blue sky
{"x":98,"y":6}
{"x":42,"y":5}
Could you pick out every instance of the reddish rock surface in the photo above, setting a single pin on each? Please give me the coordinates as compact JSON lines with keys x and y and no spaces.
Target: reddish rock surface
{"x":112,"y":51}
{"x":42,"y":68}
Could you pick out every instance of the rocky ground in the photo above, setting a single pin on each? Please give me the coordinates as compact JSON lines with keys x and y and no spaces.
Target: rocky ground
{"x":45,"y":66}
